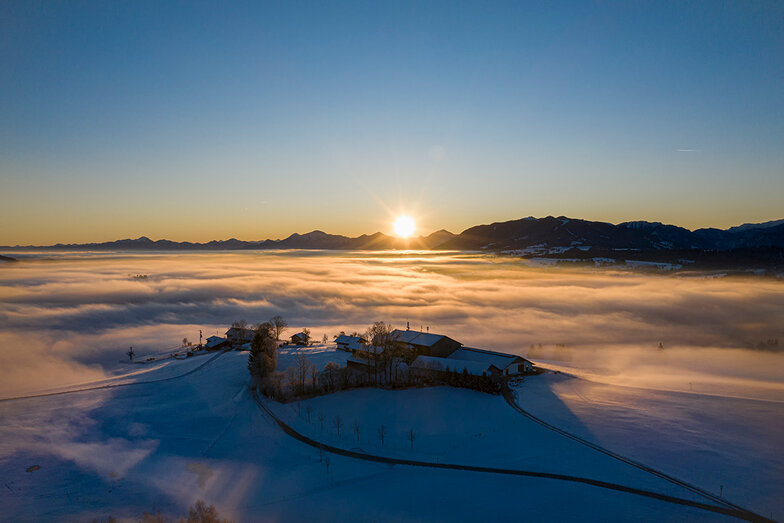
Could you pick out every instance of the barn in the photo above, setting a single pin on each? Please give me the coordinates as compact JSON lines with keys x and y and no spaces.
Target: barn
{"x":239,"y":335}
{"x":350,"y":343}
{"x":425,"y":343}
{"x":507,"y":364}
{"x":301,"y":338}
{"x":215,"y":343}
{"x":423,"y":365}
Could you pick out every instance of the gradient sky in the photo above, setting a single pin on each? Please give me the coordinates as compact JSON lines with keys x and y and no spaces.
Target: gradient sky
{"x":198,"y":121}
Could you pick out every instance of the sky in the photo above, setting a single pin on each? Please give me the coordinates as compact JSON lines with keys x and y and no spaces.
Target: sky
{"x":207,"y":120}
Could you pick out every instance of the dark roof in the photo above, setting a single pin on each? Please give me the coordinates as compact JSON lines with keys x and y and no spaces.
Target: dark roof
{"x":424,"y":339}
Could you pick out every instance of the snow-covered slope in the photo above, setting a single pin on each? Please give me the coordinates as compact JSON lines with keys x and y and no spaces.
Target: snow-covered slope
{"x":164,"y":445}
{"x":724,"y":445}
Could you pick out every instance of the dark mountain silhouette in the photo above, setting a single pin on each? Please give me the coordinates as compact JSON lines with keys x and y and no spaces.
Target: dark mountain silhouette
{"x":311,"y":240}
{"x":544,"y":235}
{"x":562,"y":232}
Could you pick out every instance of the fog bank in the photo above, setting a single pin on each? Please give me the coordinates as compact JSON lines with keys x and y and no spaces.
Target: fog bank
{"x":62,"y":313}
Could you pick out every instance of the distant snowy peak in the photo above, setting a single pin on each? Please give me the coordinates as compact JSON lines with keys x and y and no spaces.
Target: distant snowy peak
{"x":564,"y":232}
{"x":749,"y":226}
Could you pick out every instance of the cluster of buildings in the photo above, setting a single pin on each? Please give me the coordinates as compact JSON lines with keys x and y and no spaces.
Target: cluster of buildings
{"x":437,"y":353}
{"x":434,"y":353}
{"x":240,"y":338}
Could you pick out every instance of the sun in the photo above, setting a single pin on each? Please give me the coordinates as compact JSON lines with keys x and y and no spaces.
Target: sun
{"x":404,"y":226}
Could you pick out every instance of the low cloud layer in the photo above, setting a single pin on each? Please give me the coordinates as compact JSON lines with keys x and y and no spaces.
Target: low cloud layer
{"x":86,"y":309}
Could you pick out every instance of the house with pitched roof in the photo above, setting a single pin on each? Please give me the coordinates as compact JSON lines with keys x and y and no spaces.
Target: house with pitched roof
{"x":425,"y":343}
{"x":507,"y":364}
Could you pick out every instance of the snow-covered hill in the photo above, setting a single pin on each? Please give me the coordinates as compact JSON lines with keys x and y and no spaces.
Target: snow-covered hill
{"x":165,"y":444}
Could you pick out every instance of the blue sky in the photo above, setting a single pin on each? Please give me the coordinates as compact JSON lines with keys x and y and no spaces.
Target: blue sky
{"x":196,"y":121}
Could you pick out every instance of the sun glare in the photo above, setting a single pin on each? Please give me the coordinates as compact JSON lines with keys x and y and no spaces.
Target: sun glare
{"x":404,"y":226}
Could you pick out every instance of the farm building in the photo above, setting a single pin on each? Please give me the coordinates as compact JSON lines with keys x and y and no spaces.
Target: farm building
{"x":301,"y":338}
{"x":507,"y":364}
{"x":427,"y":344}
{"x":434,"y":364}
{"x":215,"y":343}
{"x":350,"y":343}
{"x":239,"y":335}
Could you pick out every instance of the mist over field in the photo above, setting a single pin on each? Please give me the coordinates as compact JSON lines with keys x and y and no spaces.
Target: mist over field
{"x":67,"y":317}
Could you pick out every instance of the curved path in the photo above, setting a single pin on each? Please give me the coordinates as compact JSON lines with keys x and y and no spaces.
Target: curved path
{"x":725,"y":508}
{"x":509,"y":396}
{"x":116,"y":385}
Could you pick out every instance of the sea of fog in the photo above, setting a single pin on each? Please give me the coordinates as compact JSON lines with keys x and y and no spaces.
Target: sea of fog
{"x":70,"y":317}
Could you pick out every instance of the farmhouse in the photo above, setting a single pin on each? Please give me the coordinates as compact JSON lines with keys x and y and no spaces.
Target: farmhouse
{"x":426,"y":344}
{"x":239,"y":335}
{"x":350,"y":343}
{"x":216,"y":342}
{"x":301,"y":338}
{"x":507,"y":364}
{"x":431,"y":364}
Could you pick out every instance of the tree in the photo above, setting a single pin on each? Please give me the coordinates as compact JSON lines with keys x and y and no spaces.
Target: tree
{"x":382,"y":433}
{"x":379,"y":335}
{"x":279,"y":325}
{"x":338,"y":424}
{"x":306,"y":333}
{"x":263,"y":356}
{"x":301,"y":364}
{"x":325,"y":339}
{"x":242,"y":327}
{"x":321,"y":419}
{"x":411,"y":436}
{"x":313,"y":372}
{"x":203,"y":513}
{"x":308,"y":410}
{"x":356,"y":429}
{"x":331,"y":370}
{"x":185,"y":342}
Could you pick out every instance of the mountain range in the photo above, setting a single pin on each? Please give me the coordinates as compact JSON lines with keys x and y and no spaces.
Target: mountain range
{"x":550,"y":234}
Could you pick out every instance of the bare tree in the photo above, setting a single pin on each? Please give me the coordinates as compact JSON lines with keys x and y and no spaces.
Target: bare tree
{"x":185,"y":342}
{"x":330,"y":372}
{"x":326,"y":462}
{"x":321,"y":419}
{"x":242,"y":327}
{"x":302,"y":366}
{"x":313,"y":372}
{"x":278,"y":325}
{"x":356,"y":429}
{"x":325,"y":339}
{"x":308,"y":410}
{"x":382,"y":433}
{"x":338,"y":424}
{"x":379,"y":335}
{"x":306,"y":332}
{"x":411,"y":437}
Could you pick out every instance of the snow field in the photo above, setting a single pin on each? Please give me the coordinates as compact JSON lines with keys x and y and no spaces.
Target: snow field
{"x":162,"y":446}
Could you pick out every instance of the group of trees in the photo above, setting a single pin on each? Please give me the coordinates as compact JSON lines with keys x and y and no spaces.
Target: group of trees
{"x":276,"y":325}
{"x":453,"y":378}
{"x":386,"y":354}
{"x":263,"y":356}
